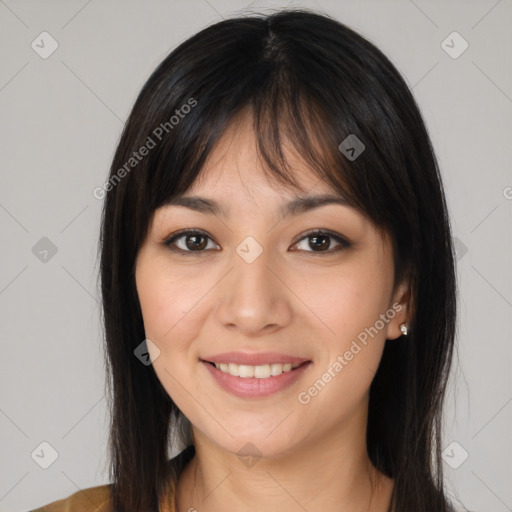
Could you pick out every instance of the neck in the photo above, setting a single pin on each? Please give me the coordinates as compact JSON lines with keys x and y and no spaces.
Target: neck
{"x":326,"y":474}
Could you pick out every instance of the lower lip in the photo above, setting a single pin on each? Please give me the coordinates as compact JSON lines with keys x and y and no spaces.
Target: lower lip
{"x":252,"y":387}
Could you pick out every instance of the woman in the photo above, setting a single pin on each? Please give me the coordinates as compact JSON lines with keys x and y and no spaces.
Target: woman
{"x":277,"y":279}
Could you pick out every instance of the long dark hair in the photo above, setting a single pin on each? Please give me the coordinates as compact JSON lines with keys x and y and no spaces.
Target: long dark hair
{"x":311,"y":81}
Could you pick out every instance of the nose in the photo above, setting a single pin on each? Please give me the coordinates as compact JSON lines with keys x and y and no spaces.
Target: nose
{"x":253,"y":298}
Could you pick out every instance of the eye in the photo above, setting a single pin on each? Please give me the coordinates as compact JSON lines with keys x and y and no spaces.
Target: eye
{"x":320,"y":239}
{"x":194,"y":240}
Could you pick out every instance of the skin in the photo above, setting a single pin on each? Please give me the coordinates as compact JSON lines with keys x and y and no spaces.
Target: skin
{"x":302,"y":302}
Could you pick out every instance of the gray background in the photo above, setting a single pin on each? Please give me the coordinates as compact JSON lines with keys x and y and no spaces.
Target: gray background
{"x":61,"y":118}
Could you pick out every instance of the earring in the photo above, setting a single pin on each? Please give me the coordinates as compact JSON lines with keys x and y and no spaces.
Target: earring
{"x":403,"y":328}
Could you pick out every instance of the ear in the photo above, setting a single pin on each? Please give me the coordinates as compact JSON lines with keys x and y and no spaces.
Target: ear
{"x":400,"y":305}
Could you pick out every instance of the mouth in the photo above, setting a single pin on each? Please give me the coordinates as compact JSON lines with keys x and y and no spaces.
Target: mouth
{"x":263,"y":371}
{"x":253,"y":381}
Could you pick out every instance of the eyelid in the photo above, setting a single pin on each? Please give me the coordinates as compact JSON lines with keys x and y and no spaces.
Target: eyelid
{"x":187,"y":231}
{"x":343,"y":242}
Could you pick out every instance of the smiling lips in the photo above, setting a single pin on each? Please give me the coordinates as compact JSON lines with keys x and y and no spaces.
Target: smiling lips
{"x":255,"y":375}
{"x":260,"y":372}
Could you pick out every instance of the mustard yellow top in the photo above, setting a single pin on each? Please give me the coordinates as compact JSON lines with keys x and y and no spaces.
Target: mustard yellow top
{"x":93,"y":499}
{"x":96,"y":499}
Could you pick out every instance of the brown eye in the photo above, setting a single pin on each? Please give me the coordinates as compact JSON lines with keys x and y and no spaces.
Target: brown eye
{"x":320,"y":241}
{"x":189,"y":241}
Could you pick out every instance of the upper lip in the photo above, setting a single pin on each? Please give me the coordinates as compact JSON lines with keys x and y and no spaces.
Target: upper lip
{"x":254,"y":359}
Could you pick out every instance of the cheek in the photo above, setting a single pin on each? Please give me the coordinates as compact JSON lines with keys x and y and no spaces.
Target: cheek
{"x":349,"y":302}
{"x":167,"y":302}
{"x":349,"y":299}
{"x":169,"y":309}
{"x":352,"y":346}
{"x":174,"y":308}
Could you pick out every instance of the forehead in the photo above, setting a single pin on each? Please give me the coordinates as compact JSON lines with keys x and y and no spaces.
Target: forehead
{"x":235,"y":163}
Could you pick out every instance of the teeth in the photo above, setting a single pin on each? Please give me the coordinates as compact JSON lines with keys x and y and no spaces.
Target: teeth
{"x":260,"y":372}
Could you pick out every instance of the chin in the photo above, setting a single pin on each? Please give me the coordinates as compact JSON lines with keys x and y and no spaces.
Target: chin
{"x":257,"y":444}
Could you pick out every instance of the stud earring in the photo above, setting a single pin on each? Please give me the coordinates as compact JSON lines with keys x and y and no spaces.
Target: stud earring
{"x":403,"y":328}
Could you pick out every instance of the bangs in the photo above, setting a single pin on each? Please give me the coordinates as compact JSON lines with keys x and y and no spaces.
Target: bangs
{"x":285,"y":114}
{"x":298,"y":98}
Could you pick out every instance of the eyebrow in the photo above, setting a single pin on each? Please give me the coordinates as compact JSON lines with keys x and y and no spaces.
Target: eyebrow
{"x":293,"y":207}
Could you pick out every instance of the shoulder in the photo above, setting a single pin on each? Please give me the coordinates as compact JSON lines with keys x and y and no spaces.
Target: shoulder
{"x":92,"y":499}
{"x":99,"y":499}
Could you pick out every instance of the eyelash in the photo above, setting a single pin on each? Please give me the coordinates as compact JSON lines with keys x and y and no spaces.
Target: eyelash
{"x":344,"y":243}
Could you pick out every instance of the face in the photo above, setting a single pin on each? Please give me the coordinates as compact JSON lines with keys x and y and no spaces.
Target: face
{"x":296,"y":320}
